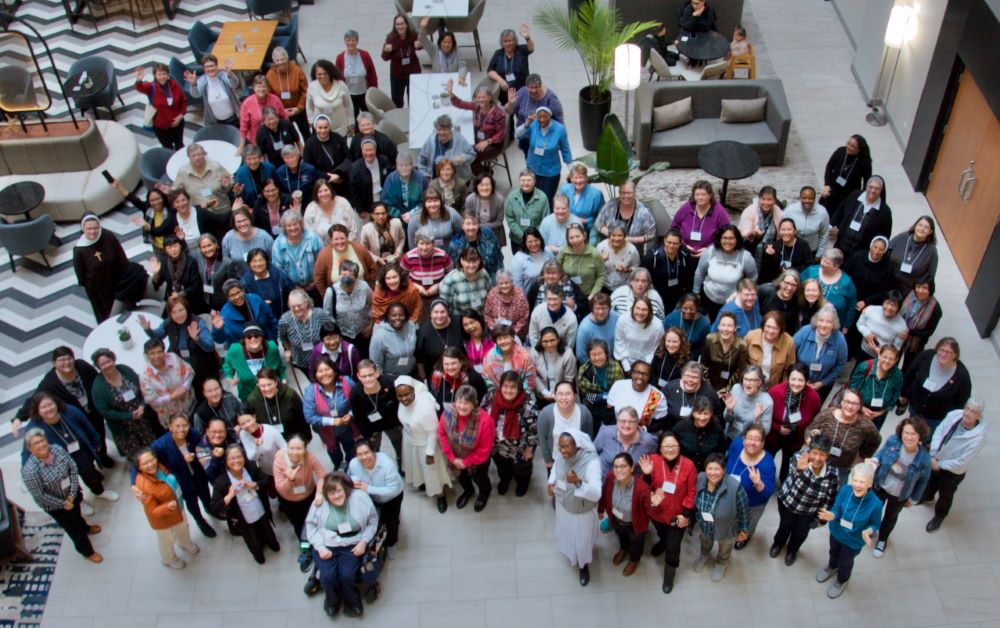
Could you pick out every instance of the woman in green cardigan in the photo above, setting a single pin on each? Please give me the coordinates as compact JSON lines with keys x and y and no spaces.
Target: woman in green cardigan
{"x":117,"y":397}
{"x":246,"y":358}
{"x":581,"y":261}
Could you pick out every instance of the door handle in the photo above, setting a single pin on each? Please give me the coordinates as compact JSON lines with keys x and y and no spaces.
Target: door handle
{"x":965,"y":175}
{"x":970,"y":183}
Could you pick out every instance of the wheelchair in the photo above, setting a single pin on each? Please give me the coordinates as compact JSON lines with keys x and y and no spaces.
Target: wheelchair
{"x":367,"y":576}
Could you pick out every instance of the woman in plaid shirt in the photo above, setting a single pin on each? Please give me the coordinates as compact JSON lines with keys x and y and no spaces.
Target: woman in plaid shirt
{"x":810,"y":487}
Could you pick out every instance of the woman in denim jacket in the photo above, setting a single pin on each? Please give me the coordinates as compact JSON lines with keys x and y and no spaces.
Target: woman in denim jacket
{"x":902,"y":472}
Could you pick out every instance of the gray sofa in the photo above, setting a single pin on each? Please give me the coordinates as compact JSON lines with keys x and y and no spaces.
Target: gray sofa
{"x":680,"y":145}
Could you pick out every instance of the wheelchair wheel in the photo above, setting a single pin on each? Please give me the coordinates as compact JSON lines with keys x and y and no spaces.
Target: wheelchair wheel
{"x":373,"y":592}
{"x":312,"y":586}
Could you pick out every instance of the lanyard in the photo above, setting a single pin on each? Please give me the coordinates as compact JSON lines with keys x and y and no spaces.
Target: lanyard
{"x":836,"y":430}
{"x":856,"y":511}
{"x":844,"y":165}
{"x":673,"y":368}
{"x":906,"y":253}
{"x":874,"y":379}
{"x":298,"y":179}
{"x":277,"y":407}
{"x":677,"y":472}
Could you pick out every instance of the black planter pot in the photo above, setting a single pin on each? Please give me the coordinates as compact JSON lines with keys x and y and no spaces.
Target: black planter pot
{"x":592,"y":116}
{"x":574,"y":5}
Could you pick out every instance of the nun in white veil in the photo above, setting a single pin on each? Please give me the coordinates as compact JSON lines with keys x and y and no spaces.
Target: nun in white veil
{"x":423,"y":462}
{"x":575,"y":482}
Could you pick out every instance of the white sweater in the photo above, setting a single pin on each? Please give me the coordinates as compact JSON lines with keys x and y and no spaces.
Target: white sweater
{"x":635,"y":342}
{"x":886,"y":330}
{"x":263,"y":454}
{"x":540,"y":319}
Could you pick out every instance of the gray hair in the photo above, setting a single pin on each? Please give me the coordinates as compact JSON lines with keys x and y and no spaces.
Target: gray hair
{"x":195,"y":147}
{"x":404,"y":158}
{"x":365,"y":115}
{"x":208,"y":236}
{"x":290,"y":149}
{"x":279,"y":53}
{"x":788,"y":272}
{"x":231,"y":283}
{"x":836,"y":257}
{"x":863,"y":470}
{"x":627,"y":184}
{"x":976,"y":404}
{"x":753,"y":368}
{"x":630,"y":411}
{"x":484,"y":89}
{"x":443,"y":122}
{"x":298,"y":295}
{"x":533,"y":79}
{"x":351,"y":33}
{"x":32,"y":434}
{"x":252,"y":149}
{"x":290,"y":216}
{"x":507,"y":32}
{"x":826,"y":310}
{"x":618,"y":226}
{"x":425,"y":234}
{"x":526,"y":172}
{"x":268,"y":111}
{"x":503,"y":273}
{"x":562,"y":199}
{"x":347,"y":266}
{"x":641,"y":272}
{"x":692,"y":366}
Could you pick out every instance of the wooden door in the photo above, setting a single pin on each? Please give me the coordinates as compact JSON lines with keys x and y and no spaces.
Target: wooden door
{"x":972,"y":135}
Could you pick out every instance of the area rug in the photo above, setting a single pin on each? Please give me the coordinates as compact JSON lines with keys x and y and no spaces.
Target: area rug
{"x":24,"y":587}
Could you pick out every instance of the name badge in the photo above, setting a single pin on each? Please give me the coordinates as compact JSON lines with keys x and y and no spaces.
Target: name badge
{"x":307,"y":346}
{"x":707,"y":517}
{"x":208,"y":288}
{"x":64,"y":484}
{"x":248,"y":496}
{"x":906,"y":268}
{"x":724,"y":374}
{"x":344,"y":527}
{"x":438,"y":242}
{"x":375,"y":416}
{"x":540,"y":151}
{"x":128,"y":395}
{"x":477,"y":303}
{"x":847,"y":525}
{"x":405,"y":61}
{"x":836,"y":451}
{"x":877,"y":402}
{"x":855,"y":225}
{"x":684,"y":38}
{"x":669,"y":487}
{"x":403,"y":361}
{"x":672,"y":282}
{"x":480,"y":135}
{"x":298,"y":490}
{"x":577,"y":279}
{"x":841,"y":181}
{"x":525,"y":222}
{"x":504,"y":321}
{"x":185,"y":353}
{"x":736,"y":477}
{"x":617,"y":513}
{"x":695,"y":236}
{"x":279,"y":145}
{"x":661,"y":382}
{"x":206,"y":192}
{"x":170,"y":101}
{"x":685,"y":410}
{"x":816,"y":366}
{"x":73,"y":447}
{"x":561,"y":485}
{"x":280,"y":427}
{"x":427,"y":281}
{"x":286,"y":95}
{"x":795,"y":417}
{"x":786,"y":264}
{"x":509,"y":77}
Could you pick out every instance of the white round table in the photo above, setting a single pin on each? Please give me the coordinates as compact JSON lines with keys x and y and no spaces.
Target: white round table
{"x":105,"y":336}
{"x":218,"y":151}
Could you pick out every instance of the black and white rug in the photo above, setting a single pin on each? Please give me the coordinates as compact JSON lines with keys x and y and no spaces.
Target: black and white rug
{"x":24,"y":587}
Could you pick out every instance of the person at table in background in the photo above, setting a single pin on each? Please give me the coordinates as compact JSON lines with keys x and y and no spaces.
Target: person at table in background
{"x":274,"y":134}
{"x":51,"y":478}
{"x":241,"y":308}
{"x":358,"y":71}
{"x":794,"y":404}
{"x":955,"y":443}
{"x":248,"y":181}
{"x":721,"y":268}
{"x":328,"y":153}
{"x":626,"y":503}
{"x":170,"y":103}
{"x":914,"y":254}
{"x":220,"y":88}
{"x":621,"y":258}
{"x":581,"y":261}
{"x":524,"y":208}
{"x":239,"y":496}
{"x":508,"y":67}
{"x":446,"y":145}
{"x":507,"y":305}
{"x":118,"y":398}
{"x":600,"y":323}
{"x":688,"y":318}
{"x":903,"y":469}
{"x":699,"y":218}
{"x":744,"y":307}
{"x":812,"y":487}
{"x":725,"y":354}
{"x":640,"y":226}
{"x":863,"y":215}
{"x":554,"y":362}
{"x":252,"y":111}
{"x":747,"y":404}
{"x":936,"y":383}
{"x":329,"y":95}
{"x":104,"y":270}
{"x":771,"y":348}
{"x":553,"y":227}
{"x":881,"y":326}
{"x":787,"y":251}
{"x":723,"y":514}
{"x":188,"y":337}
{"x":404,"y":188}
{"x":400,"y":50}
{"x":296,"y":177}
{"x":694,"y":17}
{"x":759,"y":221}
{"x":244,"y":236}
{"x":547,"y":143}
{"x":585,"y":200}
{"x":327,"y":209}
{"x":489,"y":123}
{"x":854,"y":523}
{"x":366,"y":131}
{"x":205,"y":180}
{"x":671,"y":269}
{"x":525,"y":101}
{"x":847,"y":169}
{"x":821,"y":345}
{"x":163,"y":510}
{"x":575,"y":483}
{"x":484,"y":241}
{"x":288,"y":82}
{"x":368,"y":175}
{"x":836,"y":285}
{"x":295,"y":250}
{"x":597,"y":375}
{"x":637,"y":393}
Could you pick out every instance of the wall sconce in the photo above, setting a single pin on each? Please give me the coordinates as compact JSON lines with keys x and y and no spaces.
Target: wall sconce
{"x":901,"y":28}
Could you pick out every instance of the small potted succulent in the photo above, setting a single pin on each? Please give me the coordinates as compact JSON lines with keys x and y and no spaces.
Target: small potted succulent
{"x":125,"y":337}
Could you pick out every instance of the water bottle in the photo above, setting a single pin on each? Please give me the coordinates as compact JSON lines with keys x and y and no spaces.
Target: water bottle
{"x":238,"y":42}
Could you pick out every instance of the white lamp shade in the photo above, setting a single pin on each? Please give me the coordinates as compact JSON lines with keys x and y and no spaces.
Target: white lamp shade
{"x":902,"y":26}
{"x":628,"y":66}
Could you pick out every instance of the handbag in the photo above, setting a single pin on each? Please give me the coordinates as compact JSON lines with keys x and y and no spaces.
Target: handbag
{"x":150,"y":111}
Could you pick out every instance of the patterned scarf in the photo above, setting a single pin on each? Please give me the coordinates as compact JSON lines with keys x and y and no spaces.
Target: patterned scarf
{"x":511,"y":414}
{"x":462,"y":441}
{"x":652,"y":401}
{"x":916,"y":314}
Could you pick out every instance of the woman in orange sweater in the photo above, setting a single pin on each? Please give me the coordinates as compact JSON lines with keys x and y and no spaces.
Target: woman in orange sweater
{"x":161,"y":501}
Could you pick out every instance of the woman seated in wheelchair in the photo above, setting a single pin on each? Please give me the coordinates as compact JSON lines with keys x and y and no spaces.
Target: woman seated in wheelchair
{"x":339,"y":528}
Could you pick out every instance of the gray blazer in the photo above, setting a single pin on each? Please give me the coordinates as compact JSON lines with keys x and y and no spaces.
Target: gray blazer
{"x":231,"y":81}
{"x":546,"y":421}
{"x":727,"y":507}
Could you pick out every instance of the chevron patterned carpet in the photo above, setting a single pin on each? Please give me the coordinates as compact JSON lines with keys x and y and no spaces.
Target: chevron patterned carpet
{"x":42,"y":309}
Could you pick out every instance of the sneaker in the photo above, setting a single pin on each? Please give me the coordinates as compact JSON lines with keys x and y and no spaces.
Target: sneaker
{"x":879,"y":550}
{"x":176,"y":563}
{"x":194,"y":549}
{"x":825,"y":573}
{"x":700,"y":562}
{"x":718,"y":572}
{"x":86,"y":509}
{"x":836,"y":590}
{"x":108,"y":495}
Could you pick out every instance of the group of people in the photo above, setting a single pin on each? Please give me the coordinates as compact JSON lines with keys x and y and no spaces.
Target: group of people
{"x":657,"y":376}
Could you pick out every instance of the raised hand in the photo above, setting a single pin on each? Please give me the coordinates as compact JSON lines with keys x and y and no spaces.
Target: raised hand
{"x":193,"y":330}
{"x":154,"y":265}
{"x":143,"y":322}
{"x":646,"y":464}
{"x":217,"y":321}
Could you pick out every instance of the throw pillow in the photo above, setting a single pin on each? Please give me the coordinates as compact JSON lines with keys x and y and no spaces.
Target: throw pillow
{"x":743,"y":110}
{"x":672,"y":115}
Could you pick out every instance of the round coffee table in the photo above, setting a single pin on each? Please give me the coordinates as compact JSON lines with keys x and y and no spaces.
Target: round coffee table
{"x":98,"y":81}
{"x":21,"y":198}
{"x":727,"y":160}
{"x":703,"y":46}
{"x":129,"y":353}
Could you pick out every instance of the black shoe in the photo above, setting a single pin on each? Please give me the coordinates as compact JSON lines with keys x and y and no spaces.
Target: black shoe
{"x":331,"y":609}
{"x":260,"y":558}
{"x":774,"y":551}
{"x":502,"y":487}
{"x":659,"y":548}
{"x":481,"y":503}
{"x":790,"y":558}
{"x":668,"y":578}
{"x":463,"y":499}
{"x":206,"y":528}
{"x":585,"y":575}
{"x":738,"y":545}
{"x":305,"y":561}
{"x":442,"y":504}
{"x":521,"y":491}
{"x":422,"y":488}
{"x":107,"y":462}
{"x":901,"y":410}
{"x":934,"y":524}
{"x":354,"y":611}
{"x":274,"y":547}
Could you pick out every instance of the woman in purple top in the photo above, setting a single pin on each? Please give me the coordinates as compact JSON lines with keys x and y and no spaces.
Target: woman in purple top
{"x":700,"y":217}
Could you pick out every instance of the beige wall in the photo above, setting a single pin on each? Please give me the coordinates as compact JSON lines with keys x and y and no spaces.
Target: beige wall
{"x":865,"y":22}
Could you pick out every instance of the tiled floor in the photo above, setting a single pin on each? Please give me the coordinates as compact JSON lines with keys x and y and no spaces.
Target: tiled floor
{"x":500,"y":568}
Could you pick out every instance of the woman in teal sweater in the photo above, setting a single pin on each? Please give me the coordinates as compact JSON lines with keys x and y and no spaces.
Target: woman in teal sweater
{"x":854,"y":522}
{"x":246,"y":358}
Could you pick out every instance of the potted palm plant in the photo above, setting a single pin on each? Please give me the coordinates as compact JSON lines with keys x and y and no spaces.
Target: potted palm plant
{"x":593,"y":30}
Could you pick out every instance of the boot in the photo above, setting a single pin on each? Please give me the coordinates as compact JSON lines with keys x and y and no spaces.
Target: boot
{"x":668,"y":578}
{"x":205,"y":527}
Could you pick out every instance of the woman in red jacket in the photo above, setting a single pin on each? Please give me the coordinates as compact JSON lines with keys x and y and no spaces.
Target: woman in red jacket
{"x":795,"y":406}
{"x":672,"y":478}
{"x":400,"y":50}
{"x":170,"y":103}
{"x":625,"y":499}
{"x":466,"y":433}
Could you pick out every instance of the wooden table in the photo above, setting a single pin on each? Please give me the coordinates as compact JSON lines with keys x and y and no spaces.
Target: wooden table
{"x":440,"y":8}
{"x":256,"y":34}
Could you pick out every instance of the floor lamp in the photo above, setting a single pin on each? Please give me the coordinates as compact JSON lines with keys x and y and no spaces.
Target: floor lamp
{"x":902,"y":26}
{"x":628,"y":72}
